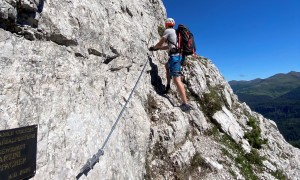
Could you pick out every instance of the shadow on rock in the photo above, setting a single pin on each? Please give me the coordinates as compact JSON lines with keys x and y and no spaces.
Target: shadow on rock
{"x":27,"y":15}
{"x":156,"y":80}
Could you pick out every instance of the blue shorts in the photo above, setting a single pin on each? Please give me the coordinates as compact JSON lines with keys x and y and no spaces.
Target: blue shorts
{"x":174,"y":64}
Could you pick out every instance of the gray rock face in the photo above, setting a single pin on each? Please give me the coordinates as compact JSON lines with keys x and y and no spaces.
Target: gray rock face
{"x":230,"y":126}
{"x":69,"y":67}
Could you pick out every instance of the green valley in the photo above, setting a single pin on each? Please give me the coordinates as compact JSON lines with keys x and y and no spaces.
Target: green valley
{"x":276,"y":98}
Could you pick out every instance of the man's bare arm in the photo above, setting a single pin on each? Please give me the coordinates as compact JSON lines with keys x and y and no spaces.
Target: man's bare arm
{"x":160,"y":44}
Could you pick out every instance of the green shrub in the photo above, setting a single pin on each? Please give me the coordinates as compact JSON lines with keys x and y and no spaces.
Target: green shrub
{"x":161,"y":29}
{"x":245,"y":168}
{"x":214,"y":131}
{"x":254,"y":136}
{"x":227,"y":153}
{"x":211,"y":102}
{"x":233,"y":174}
{"x":242,"y":160}
{"x":196,"y":161}
{"x":278,"y":174}
{"x":254,"y":158}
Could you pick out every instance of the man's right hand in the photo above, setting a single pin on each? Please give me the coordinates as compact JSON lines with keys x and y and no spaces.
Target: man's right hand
{"x":153,"y":49}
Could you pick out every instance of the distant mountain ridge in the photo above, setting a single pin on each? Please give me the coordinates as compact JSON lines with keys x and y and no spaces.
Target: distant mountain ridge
{"x":277,"y":98}
{"x":293,"y":95}
{"x":273,"y":86}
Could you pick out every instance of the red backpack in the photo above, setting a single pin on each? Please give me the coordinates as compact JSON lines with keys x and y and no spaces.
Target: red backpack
{"x":186,"y":42}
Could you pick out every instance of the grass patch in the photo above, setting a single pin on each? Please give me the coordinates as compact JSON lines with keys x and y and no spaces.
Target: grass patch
{"x":254,"y":158}
{"x":278,"y":174}
{"x":161,"y":29}
{"x":196,"y":161}
{"x":212,"y":132}
{"x":211,"y":102}
{"x":227,"y":153}
{"x":243,"y":161}
{"x":254,"y":136}
{"x":245,"y":167}
{"x":232,"y":173}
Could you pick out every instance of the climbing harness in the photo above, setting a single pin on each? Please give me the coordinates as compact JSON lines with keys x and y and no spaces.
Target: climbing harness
{"x":92,"y":161}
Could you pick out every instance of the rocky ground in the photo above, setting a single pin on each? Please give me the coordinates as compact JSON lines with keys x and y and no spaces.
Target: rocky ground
{"x":69,"y":67}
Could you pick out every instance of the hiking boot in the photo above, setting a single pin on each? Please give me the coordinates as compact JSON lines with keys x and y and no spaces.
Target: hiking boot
{"x":186,"y":107}
{"x":167,"y":89}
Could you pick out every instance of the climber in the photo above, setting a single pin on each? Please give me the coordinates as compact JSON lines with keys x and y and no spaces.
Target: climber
{"x":173,"y":66}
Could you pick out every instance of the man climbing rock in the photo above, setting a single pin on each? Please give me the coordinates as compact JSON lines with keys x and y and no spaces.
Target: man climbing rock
{"x":173,"y":66}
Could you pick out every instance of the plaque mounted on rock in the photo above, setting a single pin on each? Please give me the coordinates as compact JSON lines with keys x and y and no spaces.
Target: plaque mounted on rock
{"x":18,"y":153}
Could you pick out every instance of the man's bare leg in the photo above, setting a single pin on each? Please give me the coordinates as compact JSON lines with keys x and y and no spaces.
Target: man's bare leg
{"x":180,"y":88}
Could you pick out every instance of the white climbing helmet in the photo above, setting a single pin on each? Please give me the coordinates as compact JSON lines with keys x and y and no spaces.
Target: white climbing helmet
{"x":169,"y":22}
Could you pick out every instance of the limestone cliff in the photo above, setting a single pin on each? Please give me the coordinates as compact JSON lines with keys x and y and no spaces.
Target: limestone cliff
{"x":69,"y":67}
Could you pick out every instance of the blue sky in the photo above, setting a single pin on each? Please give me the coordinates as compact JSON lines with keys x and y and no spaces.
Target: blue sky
{"x":245,"y":39}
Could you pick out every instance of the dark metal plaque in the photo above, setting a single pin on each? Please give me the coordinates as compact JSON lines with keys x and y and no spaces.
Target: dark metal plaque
{"x":18,"y":153}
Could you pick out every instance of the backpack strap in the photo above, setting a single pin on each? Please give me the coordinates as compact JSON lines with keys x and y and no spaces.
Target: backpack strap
{"x":178,"y":42}
{"x":172,"y":43}
{"x":175,"y":44}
